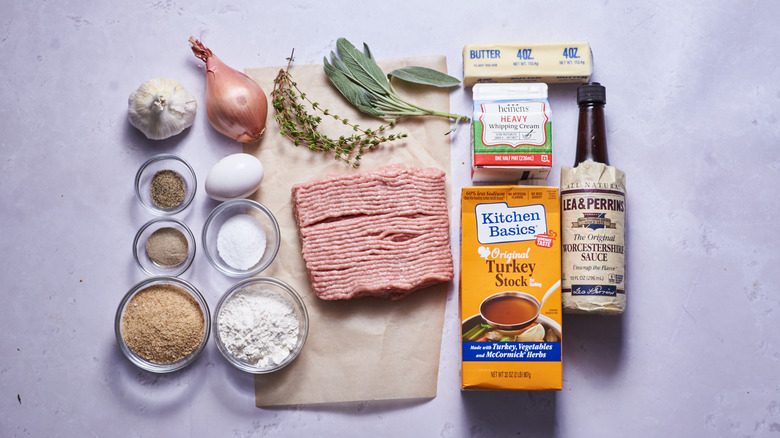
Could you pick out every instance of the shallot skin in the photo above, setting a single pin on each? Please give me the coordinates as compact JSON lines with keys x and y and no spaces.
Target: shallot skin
{"x":235,"y":104}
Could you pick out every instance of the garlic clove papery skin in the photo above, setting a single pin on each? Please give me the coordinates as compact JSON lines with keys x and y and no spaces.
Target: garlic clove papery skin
{"x":161,"y":108}
{"x":236,"y":105}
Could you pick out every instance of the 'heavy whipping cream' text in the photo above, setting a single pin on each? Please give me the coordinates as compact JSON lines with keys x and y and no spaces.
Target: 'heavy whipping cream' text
{"x":512,"y":132}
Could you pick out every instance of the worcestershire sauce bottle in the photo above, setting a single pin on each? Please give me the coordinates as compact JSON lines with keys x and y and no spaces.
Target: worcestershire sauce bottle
{"x":593,"y":216}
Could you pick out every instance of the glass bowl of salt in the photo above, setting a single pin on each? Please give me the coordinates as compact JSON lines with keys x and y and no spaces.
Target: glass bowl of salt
{"x":260,"y":325}
{"x":241,"y":238}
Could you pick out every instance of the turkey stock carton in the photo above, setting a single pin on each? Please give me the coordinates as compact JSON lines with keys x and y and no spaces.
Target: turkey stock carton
{"x":510,"y":288}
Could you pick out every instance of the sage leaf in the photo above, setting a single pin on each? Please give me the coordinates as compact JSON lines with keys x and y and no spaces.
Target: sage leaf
{"x":354,"y":94}
{"x":363,"y":68}
{"x":360,"y":80}
{"x":370,"y":110}
{"x":367,"y":51}
{"x":339,"y":64}
{"x":424,"y":76}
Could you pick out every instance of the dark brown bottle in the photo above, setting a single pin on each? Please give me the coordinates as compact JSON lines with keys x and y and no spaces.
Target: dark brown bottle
{"x":593,"y":217}
{"x":591,"y":129}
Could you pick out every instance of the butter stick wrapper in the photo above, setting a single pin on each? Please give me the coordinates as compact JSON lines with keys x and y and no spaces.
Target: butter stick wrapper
{"x":550,"y":63}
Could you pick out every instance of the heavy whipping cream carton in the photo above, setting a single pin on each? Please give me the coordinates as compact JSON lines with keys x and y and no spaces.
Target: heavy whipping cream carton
{"x":511,"y":133}
{"x":510,"y":288}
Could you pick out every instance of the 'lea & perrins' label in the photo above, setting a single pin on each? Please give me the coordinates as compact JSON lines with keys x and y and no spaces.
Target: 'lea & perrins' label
{"x":593,"y":202}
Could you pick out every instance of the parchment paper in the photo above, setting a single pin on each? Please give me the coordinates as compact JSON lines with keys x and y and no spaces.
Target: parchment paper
{"x":367,"y":348}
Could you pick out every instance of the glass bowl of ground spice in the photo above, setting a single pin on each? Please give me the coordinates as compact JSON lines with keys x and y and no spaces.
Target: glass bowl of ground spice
{"x":164,"y":246}
{"x":260,"y":325}
{"x":162,"y":324}
{"x":241,"y":238}
{"x":165,"y":184}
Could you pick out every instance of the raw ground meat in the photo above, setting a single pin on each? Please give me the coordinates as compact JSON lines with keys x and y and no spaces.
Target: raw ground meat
{"x":383,"y":233}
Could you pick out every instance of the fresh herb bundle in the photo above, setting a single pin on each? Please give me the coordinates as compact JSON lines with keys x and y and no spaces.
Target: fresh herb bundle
{"x":360,"y":80}
{"x":291,"y":113}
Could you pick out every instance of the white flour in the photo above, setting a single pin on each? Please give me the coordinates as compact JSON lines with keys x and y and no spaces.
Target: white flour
{"x":241,"y":241}
{"x":258,"y":326}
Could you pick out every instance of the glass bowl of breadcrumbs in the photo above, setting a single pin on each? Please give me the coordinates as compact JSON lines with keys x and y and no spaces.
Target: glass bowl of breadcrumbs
{"x":162,"y":324}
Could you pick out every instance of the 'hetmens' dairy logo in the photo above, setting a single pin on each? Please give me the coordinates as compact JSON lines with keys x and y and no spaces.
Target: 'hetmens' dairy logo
{"x":498,"y":223}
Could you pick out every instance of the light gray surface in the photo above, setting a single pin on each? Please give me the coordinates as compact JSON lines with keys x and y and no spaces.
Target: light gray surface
{"x":692,"y":115}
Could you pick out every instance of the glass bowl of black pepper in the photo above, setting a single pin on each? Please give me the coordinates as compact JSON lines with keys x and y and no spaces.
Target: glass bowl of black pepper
{"x":165,"y":184}
{"x":164,"y":246}
{"x":162,"y":324}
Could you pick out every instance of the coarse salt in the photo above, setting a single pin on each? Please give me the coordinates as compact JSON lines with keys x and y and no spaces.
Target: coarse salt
{"x":241,"y":241}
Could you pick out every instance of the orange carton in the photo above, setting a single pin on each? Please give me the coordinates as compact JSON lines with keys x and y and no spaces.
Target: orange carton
{"x":510,"y":288}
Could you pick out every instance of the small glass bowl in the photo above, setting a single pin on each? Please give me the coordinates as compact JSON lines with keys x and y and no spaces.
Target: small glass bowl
{"x":278,"y":288}
{"x":162,"y":367}
{"x":147,"y":264}
{"x":143,"y":182}
{"x":225,"y":211}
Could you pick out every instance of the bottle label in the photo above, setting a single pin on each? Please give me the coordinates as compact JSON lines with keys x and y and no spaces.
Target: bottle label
{"x":593,"y":238}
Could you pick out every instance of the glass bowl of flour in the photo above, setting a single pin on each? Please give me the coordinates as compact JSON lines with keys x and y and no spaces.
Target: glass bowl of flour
{"x":241,"y":238}
{"x":260,"y":325}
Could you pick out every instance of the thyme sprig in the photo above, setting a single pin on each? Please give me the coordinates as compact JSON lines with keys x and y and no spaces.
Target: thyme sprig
{"x":291,"y":107}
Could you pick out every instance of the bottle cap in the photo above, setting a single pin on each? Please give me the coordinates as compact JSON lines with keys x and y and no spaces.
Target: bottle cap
{"x":592,"y":92}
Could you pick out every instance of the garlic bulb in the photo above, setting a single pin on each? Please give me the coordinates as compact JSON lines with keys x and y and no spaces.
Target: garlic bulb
{"x":161,"y":108}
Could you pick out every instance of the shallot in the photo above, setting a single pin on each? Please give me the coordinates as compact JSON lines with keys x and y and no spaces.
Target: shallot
{"x":236,"y":105}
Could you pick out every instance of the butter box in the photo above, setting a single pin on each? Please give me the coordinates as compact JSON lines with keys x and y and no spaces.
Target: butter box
{"x":510,"y":288}
{"x":547,"y":62}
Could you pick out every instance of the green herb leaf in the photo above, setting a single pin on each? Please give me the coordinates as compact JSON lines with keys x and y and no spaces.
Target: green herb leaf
{"x":339,"y":64}
{"x":424,"y":76}
{"x":367,"y":51}
{"x":354,"y":94}
{"x":370,"y":110}
{"x":357,"y":76}
{"x":363,"y":68}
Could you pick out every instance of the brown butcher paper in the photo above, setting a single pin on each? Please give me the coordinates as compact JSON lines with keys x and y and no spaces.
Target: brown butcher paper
{"x":366,"y":348}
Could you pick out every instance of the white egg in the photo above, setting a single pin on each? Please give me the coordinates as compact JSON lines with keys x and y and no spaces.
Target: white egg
{"x":235,"y":176}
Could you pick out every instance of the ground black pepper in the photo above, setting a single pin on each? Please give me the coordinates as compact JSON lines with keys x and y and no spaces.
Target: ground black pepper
{"x":168,"y":189}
